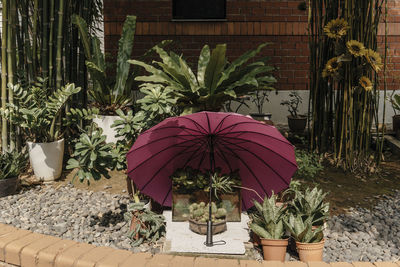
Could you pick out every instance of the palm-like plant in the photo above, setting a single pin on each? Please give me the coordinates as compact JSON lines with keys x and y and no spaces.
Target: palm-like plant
{"x":216,"y":81}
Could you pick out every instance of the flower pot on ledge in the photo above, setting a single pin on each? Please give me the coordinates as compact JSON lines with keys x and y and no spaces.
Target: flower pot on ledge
{"x":297,"y":124}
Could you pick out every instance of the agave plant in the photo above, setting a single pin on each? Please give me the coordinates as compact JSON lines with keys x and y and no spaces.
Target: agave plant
{"x":302,"y":231}
{"x":310,"y":204}
{"x":216,"y":81}
{"x":37,"y":112}
{"x":267,"y":221}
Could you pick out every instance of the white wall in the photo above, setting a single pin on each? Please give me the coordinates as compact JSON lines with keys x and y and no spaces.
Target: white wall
{"x":280,"y":112}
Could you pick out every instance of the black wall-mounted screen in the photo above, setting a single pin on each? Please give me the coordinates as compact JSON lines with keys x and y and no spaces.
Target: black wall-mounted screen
{"x":199,"y":9}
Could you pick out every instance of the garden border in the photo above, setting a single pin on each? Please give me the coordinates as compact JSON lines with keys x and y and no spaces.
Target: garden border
{"x":24,"y":248}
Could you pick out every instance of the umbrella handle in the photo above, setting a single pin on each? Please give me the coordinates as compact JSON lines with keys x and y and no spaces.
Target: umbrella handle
{"x":249,"y":189}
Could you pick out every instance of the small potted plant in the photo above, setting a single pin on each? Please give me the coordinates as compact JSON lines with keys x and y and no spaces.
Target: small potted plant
{"x":11,"y":165}
{"x":297,"y":122}
{"x":37,"y":114}
{"x":145,"y":224}
{"x":267,"y":223}
{"x":395,"y":101}
{"x":309,"y":241}
{"x":310,"y":204}
{"x":259,"y":98}
{"x":199,"y":215}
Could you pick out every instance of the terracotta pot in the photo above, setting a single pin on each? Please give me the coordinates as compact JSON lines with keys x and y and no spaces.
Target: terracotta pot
{"x":310,"y":251}
{"x":297,"y":124}
{"x":8,"y":186}
{"x":274,"y":249}
{"x":201,"y":228}
{"x":396,"y":123}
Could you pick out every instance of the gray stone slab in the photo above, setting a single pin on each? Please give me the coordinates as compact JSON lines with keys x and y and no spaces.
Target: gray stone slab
{"x":183,"y":240}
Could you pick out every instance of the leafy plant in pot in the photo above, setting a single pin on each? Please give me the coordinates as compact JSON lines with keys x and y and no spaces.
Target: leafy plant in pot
{"x":216,"y":81}
{"x":309,"y":241}
{"x":267,"y":223}
{"x":110,"y":93}
{"x":36,"y":112}
{"x":395,"y":101}
{"x":297,"y":123}
{"x":259,"y":98}
{"x":11,"y":165}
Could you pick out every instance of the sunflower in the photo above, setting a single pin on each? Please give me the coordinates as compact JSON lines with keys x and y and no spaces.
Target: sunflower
{"x":355,"y":48}
{"x":374,"y":59}
{"x":331,"y":67}
{"x":365,"y":83}
{"x":336,"y":28}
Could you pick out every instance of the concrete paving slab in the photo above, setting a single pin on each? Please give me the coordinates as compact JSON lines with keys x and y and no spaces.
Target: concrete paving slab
{"x":183,"y":240}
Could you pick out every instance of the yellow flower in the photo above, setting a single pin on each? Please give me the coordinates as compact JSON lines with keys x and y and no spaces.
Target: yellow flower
{"x":355,"y":48}
{"x":365,"y":83}
{"x":374,"y":59}
{"x":336,"y":28}
{"x":331,"y":67}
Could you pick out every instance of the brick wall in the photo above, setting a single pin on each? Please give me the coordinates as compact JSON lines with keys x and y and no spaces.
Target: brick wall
{"x":248,"y":24}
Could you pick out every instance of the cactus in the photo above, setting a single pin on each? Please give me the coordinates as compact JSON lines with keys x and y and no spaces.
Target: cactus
{"x":200,"y":212}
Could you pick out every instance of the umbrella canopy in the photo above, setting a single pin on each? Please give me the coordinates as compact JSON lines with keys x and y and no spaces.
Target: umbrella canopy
{"x":264,"y":158}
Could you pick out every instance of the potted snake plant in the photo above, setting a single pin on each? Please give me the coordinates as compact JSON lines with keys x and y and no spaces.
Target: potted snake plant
{"x":11,"y":165}
{"x":309,"y":240}
{"x":267,"y":223}
{"x":36,"y":113}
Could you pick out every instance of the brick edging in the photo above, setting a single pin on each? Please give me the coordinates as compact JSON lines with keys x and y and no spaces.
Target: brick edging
{"x":24,"y":248}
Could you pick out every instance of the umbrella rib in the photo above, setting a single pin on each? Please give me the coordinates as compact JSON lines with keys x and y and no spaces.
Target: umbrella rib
{"x":265,"y":163}
{"x":151,"y":179}
{"x":169,"y":191}
{"x":221,"y":122}
{"x":194,"y":152}
{"x":221,"y":155}
{"x":166,"y":137}
{"x":208,"y":122}
{"x":250,"y":141}
{"x":244,"y":163}
{"x":275,"y":138}
{"x":195,"y":123}
{"x":155,"y":154}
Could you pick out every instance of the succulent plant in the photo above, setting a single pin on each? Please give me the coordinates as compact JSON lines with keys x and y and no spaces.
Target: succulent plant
{"x":267,"y":221}
{"x":310,"y":203}
{"x":200,"y":211}
{"x":149,"y":225}
{"x":303,"y":231}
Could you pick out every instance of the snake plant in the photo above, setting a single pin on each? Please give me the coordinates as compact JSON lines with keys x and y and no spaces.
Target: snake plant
{"x":217,"y":80}
{"x":267,"y":221}
{"x":302,"y":231}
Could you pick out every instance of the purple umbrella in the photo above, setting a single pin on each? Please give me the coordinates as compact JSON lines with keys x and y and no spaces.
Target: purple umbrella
{"x":206,"y":140}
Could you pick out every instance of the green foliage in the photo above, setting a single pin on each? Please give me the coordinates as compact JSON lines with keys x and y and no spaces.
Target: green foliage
{"x":149,"y":225}
{"x":12,"y":164}
{"x":224,"y":184}
{"x":293,"y":103}
{"x":310,"y":205}
{"x":309,"y":164}
{"x":36,"y":110}
{"x":92,"y":156}
{"x":200,"y":212}
{"x":395,"y":101}
{"x":260,"y":97}
{"x":302,"y":230}
{"x":216,"y":81}
{"x":267,"y":221}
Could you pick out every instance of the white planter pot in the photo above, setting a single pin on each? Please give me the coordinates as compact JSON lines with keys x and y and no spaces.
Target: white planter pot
{"x":105,"y":122}
{"x":46,"y":159}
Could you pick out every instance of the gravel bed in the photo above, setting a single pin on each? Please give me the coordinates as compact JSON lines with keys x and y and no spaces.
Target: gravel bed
{"x":97,"y":218}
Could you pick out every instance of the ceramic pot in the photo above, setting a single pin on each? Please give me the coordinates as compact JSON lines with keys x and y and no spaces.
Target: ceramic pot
{"x":105,"y":122}
{"x":274,"y":249}
{"x":46,"y":159}
{"x":8,"y":186}
{"x":396,"y":123}
{"x":310,"y":251}
{"x":297,"y":124}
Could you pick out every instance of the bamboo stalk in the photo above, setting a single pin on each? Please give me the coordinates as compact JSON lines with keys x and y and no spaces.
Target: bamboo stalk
{"x":4,"y":128}
{"x":59,"y":44}
{"x":51,"y":45}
